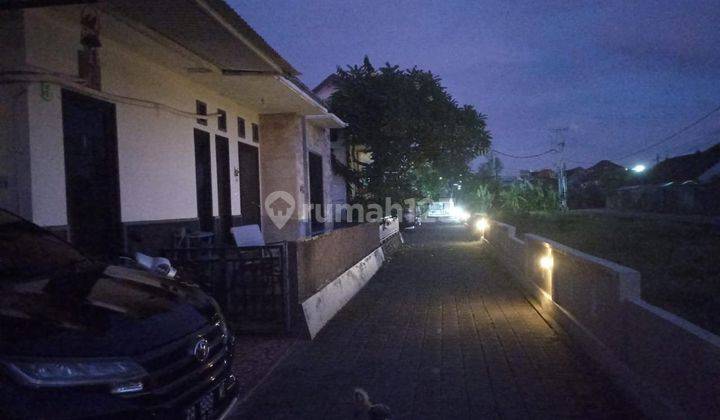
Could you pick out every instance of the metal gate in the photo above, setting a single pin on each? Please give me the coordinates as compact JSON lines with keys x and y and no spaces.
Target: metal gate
{"x":250,"y":283}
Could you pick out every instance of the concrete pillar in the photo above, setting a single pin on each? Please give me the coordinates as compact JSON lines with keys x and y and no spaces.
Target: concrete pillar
{"x":282,"y":170}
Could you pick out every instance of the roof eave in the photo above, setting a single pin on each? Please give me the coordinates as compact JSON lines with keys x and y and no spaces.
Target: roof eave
{"x":228,"y":14}
{"x":328,"y":120}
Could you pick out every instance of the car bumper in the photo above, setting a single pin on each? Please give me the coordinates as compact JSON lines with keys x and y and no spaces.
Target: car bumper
{"x":20,"y":402}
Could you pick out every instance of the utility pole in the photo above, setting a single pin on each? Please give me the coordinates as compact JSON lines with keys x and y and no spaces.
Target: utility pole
{"x":493,"y":169}
{"x":562,"y":179}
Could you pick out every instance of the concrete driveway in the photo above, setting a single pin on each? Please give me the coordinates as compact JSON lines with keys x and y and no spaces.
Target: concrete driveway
{"x":440,"y":332}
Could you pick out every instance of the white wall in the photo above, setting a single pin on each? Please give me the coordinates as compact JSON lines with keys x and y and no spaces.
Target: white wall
{"x":338,"y":185}
{"x":318,"y":142}
{"x":155,"y":147}
{"x":14,"y":147}
{"x":47,"y":160}
{"x":338,"y":188}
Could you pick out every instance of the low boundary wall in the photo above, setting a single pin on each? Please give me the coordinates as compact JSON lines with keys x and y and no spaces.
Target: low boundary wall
{"x":669,"y":366}
{"x":321,"y":259}
{"x":321,"y":307}
{"x":329,"y":269}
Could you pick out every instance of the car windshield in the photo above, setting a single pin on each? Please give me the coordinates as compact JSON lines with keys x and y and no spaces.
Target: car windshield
{"x":28,"y":251}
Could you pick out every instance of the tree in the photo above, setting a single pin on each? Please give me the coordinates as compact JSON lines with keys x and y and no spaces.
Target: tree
{"x":523,"y":196}
{"x":412,"y":127}
{"x":491,"y":169}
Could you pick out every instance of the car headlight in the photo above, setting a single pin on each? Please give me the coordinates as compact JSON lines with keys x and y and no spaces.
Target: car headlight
{"x":74,"y":372}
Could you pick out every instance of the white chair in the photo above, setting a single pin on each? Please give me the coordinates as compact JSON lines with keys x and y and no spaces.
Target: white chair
{"x":248,"y":235}
{"x":158,"y":265}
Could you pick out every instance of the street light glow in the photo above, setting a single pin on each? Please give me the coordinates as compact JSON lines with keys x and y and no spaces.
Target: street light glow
{"x":482,"y":224}
{"x":639,"y":168}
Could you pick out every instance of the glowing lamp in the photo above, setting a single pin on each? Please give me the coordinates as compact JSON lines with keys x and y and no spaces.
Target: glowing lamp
{"x":546,"y":262}
{"x":482,"y":224}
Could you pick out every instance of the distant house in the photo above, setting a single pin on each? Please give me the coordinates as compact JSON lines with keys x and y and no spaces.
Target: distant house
{"x":595,"y":174}
{"x":544,"y":177}
{"x":687,"y":184}
{"x":700,"y":166}
{"x":589,"y":188}
{"x":352,"y":157}
{"x":125,"y":121}
{"x":711,"y":175}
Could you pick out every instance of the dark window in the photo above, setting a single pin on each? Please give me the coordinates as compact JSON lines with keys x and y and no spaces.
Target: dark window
{"x":201,"y":109}
{"x":222,"y":120}
{"x":256,"y":133}
{"x":333,"y":135}
{"x":241,"y":127}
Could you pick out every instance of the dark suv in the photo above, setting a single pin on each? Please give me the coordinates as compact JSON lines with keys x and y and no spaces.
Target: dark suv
{"x":80,"y":339}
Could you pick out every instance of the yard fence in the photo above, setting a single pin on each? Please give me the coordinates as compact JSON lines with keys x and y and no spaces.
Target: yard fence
{"x":261,"y":289}
{"x":251,"y":284}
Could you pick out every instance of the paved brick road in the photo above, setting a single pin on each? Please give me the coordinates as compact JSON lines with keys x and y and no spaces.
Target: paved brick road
{"x":440,"y":332}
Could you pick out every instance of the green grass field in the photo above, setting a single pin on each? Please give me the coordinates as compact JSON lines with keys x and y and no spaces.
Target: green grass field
{"x":679,"y":263}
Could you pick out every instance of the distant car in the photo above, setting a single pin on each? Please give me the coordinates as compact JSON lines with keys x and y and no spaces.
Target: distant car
{"x":446,"y":210}
{"x":80,"y":339}
{"x":441,"y":209}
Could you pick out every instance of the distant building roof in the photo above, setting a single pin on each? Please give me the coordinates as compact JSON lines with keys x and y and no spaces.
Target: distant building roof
{"x":594,"y":173}
{"x":686,"y":167}
{"x":544,"y":174}
{"x":328,"y":81}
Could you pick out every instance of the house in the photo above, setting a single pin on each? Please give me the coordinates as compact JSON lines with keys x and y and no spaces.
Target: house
{"x":543,"y":177}
{"x":701,"y":166}
{"x":349,"y":158}
{"x":125,"y":123}
{"x":590,"y":187}
{"x":687,"y":184}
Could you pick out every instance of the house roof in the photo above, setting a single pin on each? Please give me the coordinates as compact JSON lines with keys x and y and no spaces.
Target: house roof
{"x":685,"y":167}
{"x":211,"y":29}
{"x":594,"y":173}
{"x":181,"y":20}
{"x":209,"y":43}
{"x":245,"y":29}
{"x":544,"y":174}
{"x":328,"y":81}
{"x":235,"y":58}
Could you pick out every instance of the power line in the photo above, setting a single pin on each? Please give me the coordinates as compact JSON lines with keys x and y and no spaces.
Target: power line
{"x":673,"y":135}
{"x":525,"y":156}
{"x":696,"y":143}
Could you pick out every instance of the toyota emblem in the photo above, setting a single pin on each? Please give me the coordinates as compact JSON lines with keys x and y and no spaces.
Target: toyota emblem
{"x":201,"y":351}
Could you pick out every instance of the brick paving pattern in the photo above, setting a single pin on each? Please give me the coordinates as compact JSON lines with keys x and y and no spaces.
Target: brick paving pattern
{"x":439,"y":333}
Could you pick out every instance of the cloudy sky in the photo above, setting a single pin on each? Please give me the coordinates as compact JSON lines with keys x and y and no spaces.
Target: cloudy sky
{"x":619,"y":74}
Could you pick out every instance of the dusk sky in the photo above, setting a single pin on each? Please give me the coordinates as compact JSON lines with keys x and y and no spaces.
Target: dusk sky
{"x":620,"y":75}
